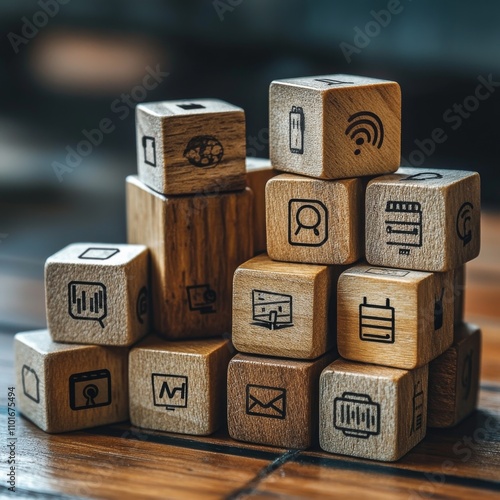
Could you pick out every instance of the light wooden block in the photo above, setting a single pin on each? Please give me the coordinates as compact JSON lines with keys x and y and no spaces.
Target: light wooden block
{"x":335,"y":126}
{"x":179,"y":386}
{"x":191,"y":146}
{"x":454,"y":379}
{"x":98,"y":293}
{"x":424,"y":220}
{"x":394,"y":317}
{"x":314,"y":221}
{"x":370,"y":411}
{"x":66,"y":387}
{"x":274,"y":401}
{"x":259,"y":171}
{"x":459,"y":292}
{"x":285,"y":310}
{"x":196,"y":244}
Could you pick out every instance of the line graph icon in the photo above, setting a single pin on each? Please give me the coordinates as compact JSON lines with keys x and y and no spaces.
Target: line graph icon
{"x":365,"y":127}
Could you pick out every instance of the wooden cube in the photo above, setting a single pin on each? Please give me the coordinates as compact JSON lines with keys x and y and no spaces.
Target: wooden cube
{"x":179,"y":386}
{"x":285,"y":310}
{"x":394,"y":317}
{"x":66,"y":387}
{"x":314,"y":221}
{"x":259,"y":171}
{"x":335,"y":126}
{"x":191,"y":146}
{"x":372,"y":411}
{"x":459,"y":292}
{"x":454,"y":379}
{"x":427,"y":221}
{"x":196,"y":243}
{"x":274,"y":401}
{"x":98,"y":293}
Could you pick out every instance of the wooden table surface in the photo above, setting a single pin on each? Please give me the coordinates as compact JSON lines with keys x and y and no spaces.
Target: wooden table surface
{"x":120,"y":461}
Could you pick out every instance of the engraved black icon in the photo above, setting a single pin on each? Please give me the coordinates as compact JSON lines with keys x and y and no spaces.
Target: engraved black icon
{"x":376,"y":322}
{"x":330,"y":81}
{"x":170,"y":391}
{"x":90,"y":389}
{"x":365,"y":127}
{"x":201,"y":298}
{"x":383,"y":271}
{"x":87,"y":301}
{"x":191,"y":105}
{"x":356,"y":415}
{"x":31,"y":383}
{"x":463,"y":224}
{"x":307,"y":223}
{"x":417,"y":407}
{"x":438,"y":311}
{"x":204,"y":151}
{"x":149,"y":150}
{"x":403,"y":225}
{"x":98,"y":253}
{"x":141,"y":307}
{"x":271,"y":310}
{"x":423,"y":176}
{"x":296,"y":129}
{"x":266,"y":401}
{"x":466,"y":378}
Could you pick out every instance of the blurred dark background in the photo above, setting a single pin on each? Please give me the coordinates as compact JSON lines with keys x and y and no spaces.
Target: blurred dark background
{"x":68,"y":64}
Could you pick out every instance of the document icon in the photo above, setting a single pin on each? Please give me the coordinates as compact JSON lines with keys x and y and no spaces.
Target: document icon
{"x":265,"y":401}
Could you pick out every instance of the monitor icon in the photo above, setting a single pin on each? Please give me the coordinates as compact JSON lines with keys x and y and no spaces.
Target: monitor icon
{"x":169,"y":391}
{"x":201,"y":298}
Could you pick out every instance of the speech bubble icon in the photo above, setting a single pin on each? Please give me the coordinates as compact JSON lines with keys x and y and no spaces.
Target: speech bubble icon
{"x":87,"y":301}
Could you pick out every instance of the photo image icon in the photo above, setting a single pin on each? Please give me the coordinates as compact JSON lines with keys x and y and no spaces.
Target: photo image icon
{"x":307,"y":223}
{"x":90,"y":389}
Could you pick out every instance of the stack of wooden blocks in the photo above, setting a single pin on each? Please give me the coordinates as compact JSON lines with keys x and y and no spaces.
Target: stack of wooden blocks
{"x":407,"y":359}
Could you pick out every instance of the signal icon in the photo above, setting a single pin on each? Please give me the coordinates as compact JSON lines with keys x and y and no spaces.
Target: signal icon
{"x":365,"y":127}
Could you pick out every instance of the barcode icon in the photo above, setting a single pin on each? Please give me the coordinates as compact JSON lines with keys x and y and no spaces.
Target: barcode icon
{"x":356,"y":415}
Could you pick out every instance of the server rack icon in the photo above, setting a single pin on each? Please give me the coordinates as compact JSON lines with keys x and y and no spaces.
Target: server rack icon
{"x":404,"y":225}
{"x":296,"y":130}
{"x":271,"y":310}
{"x":377,"y":323}
{"x":356,"y":415}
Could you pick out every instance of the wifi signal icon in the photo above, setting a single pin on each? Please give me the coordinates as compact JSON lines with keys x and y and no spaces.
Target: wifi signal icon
{"x":463,"y":224}
{"x":365,"y":127}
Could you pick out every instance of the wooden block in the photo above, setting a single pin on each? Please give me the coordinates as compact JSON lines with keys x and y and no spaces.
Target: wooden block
{"x":66,"y":387}
{"x":459,"y":292}
{"x":191,"y":146}
{"x":259,"y":171}
{"x":454,"y":379}
{"x":98,"y":293}
{"x":285,"y":310}
{"x":335,"y":126}
{"x":372,"y":411}
{"x":196,"y":243}
{"x":274,"y":401}
{"x":394,"y":317}
{"x":179,"y":386}
{"x":424,"y":220}
{"x":314,"y":221}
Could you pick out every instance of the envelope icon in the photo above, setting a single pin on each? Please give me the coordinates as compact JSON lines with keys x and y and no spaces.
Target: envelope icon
{"x":266,"y":401}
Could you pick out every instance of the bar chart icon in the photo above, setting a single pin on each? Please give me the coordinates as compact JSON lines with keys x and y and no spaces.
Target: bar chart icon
{"x":87,"y":301}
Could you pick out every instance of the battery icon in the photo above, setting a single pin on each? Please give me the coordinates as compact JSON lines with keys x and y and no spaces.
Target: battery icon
{"x":376,"y":322}
{"x":296,"y":130}
{"x":356,"y":415}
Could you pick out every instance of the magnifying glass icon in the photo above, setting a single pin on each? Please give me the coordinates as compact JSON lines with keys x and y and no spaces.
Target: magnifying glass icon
{"x":305,"y":215}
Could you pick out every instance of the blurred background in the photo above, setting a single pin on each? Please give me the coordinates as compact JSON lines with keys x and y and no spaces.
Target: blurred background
{"x":67,"y":65}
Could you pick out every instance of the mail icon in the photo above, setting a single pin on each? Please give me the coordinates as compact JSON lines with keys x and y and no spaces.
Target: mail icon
{"x":265,"y":401}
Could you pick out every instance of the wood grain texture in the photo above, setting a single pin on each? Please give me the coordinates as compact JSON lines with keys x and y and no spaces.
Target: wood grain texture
{"x":314,"y":221}
{"x":196,"y":243}
{"x":323,"y":145}
{"x":179,"y":386}
{"x":117,"y":274}
{"x":274,"y":401}
{"x":285,"y":310}
{"x":199,"y":146}
{"x":423,"y":220}
{"x":372,"y":411}
{"x":454,"y":379}
{"x":259,"y":171}
{"x":459,"y":293}
{"x":394,"y":317}
{"x":65,"y":387}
